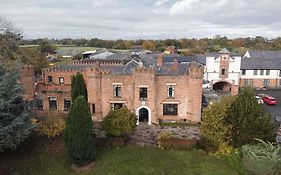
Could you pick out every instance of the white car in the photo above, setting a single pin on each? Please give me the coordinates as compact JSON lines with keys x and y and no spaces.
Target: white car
{"x":259,"y":100}
{"x":206,"y":86}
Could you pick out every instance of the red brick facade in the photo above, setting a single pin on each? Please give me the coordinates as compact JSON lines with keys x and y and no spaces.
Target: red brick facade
{"x":100,"y":82}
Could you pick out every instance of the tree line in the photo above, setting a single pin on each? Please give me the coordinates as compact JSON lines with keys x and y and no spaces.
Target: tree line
{"x":193,"y":45}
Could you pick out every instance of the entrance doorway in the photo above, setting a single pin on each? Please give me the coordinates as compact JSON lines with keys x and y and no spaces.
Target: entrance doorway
{"x":143,"y":115}
{"x":222,"y":86}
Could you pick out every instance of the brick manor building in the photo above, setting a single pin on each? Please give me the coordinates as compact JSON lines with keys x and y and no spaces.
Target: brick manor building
{"x":147,"y":85}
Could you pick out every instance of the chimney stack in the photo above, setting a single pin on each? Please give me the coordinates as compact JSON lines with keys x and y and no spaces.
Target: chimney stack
{"x":159,"y":60}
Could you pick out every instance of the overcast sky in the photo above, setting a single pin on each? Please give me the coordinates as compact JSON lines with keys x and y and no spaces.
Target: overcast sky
{"x":134,"y":19}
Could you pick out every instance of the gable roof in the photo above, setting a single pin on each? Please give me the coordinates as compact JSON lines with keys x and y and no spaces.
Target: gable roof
{"x":261,"y":59}
{"x":224,"y":51}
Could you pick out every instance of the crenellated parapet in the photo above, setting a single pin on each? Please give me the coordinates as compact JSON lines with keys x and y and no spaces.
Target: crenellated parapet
{"x":195,"y":70}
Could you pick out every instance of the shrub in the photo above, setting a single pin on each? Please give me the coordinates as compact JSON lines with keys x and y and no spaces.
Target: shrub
{"x":51,"y":127}
{"x":263,"y":158}
{"x":235,"y":161}
{"x":235,"y":121}
{"x":214,"y":128}
{"x":78,"y":135}
{"x":119,"y":122}
{"x":248,"y":120}
{"x":161,"y":136}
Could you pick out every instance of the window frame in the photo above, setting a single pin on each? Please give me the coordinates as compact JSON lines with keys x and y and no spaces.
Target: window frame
{"x":117,"y":90}
{"x":61,"y":78}
{"x":262,"y":72}
{"x":173,"y":112}
{"x":65,"y":106}
{"x":53,"y":99}
{"x":255,"y":72}
{"x":171,"y":91}
{"x":267,"y":72}
{"x":143,"y":93}
{"x":244,"y":72}
{"x":49,"y":79}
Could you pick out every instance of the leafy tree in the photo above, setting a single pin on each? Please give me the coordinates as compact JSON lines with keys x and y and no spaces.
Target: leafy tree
{"x":78,"y":133}
{"x":119,"y":122}
{"x":15,"y":124}
{"x":149,"y":45}
{"x":215,"y":129}
{"x":9,"y":42}
{"x":78,"y":86}
{"x":32,"y":56}
{"x":236,"y":121}
{"x":46,"y":47}
{"x":248,"y":120}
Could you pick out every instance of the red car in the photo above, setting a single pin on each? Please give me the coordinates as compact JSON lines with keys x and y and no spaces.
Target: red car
{"x":269,"y":100}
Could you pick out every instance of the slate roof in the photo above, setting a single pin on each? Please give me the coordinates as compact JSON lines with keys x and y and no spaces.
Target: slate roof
{"x":145,"y":61}
{"x":262,"y":60}
{"x":224,"y":51}
{"x":265,"y":54}
{"x":179,"y":58}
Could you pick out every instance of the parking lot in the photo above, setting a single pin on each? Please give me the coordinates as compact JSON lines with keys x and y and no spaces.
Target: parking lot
{"x":275,"y":110}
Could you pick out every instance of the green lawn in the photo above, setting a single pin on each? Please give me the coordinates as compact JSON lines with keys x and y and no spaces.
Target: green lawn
{"x":52,"y":160}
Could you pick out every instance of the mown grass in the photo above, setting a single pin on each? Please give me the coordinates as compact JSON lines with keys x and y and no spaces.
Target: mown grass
{"x":42,"y":160}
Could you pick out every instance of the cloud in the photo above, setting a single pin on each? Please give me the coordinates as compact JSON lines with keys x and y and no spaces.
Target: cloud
{"x":127,"y":19}
{"x":161,"y":2}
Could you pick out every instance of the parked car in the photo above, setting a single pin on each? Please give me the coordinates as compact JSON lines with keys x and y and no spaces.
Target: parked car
{"x":269,"y":100}
{"x":259,"y":100}
{"x":207,"y":86}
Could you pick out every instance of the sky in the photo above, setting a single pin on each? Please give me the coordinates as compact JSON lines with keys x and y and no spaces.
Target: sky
{"x":146,"y":19}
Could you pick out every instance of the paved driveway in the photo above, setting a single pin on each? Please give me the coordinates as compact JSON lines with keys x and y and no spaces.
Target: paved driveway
{"x":275,"y":110}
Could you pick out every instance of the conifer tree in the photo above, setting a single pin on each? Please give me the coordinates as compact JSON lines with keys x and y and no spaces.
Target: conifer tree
{"x":78,"y":134}
{"x":15,"y":124}
{"x":78,"y":86}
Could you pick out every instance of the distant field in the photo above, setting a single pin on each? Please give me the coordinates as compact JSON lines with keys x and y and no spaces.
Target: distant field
{"x":71,"y":51}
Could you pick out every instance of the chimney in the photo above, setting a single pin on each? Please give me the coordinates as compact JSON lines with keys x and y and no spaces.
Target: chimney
{"x":175,"y":65}
{"x":159,"y":60}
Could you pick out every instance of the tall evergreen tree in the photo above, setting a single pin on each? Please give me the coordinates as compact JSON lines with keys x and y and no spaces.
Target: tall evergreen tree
{"x":78,"y":134}
{"x":15,"y":124}
{"x":78,"y":87}
{"x":249,"y":120}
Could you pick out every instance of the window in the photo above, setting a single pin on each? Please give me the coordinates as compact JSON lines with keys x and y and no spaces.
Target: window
{"x":143,"y":93}
{"x":267,"y":72}
{"x":61,"y":80}
{"x":243,"y":72}
{"x":171,"y":91}
{"x":255,"y":72}
{"x":114,"y":106}
{"x":117,"y":90}
{"x":39,"y":104}
{"x":248,"y":82}
{"x":53,"y":105}
{"x":93,"y":108}
{"x":223,"y":71}
{"x":50,"y":79}
{"x":67,"y":104}
{"x":266,"y":82}
{"x":279,"y":73}
{"x":262,"y":72}
{"x":170,"y":109}
{"x":279,"y":82}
